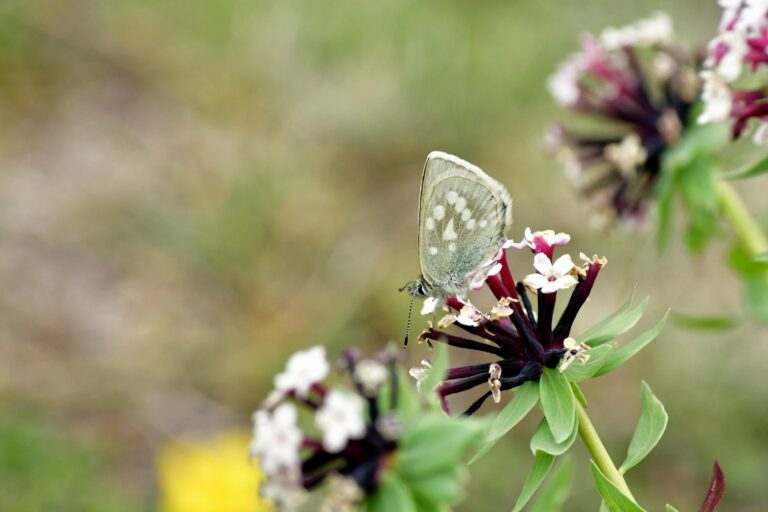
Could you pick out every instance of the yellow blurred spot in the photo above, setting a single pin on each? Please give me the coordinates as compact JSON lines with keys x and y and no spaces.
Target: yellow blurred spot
{"x":210,"y":476}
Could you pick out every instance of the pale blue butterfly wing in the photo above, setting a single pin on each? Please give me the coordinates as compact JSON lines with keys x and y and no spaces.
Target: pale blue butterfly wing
{"x":463,"y":216}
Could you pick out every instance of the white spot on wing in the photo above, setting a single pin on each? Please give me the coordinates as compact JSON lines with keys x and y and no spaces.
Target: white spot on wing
{"x":460,"y":204}
{"x":452,"y":247}
{"x":470,"y":224}
{"x":439,"y":212}
{"x":430,"y":224}
{"x":449,"y":233}
{"x":433,"y":250}
{"x":466,"y":214}
{"x":451,"y":196}
{"x":483,"y":223}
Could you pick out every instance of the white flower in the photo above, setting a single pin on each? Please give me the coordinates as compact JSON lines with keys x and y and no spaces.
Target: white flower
{"x":752,"y":16}
{"x":551,"y":277}
{"x":612,"y":38}
{"x":469,"y":316}
{"x":341,"y":419}
{"x":304,"y":368}
{"x":716,"y":96}
{"x":430,"y":305}
{"x":573,"y":351}
{"x":563,"y":85}
{"x":760,"y":137}
{"x":420,"y":372}
{"x":655,"y":30}
{"x":731,"y":46}
{"x":371,"y":375}
{"x":276,"y":439}
{"x":541,"y":240}
{"x":627,"y":155}
{"x":284,"y":490}
{"x":646,"y":32}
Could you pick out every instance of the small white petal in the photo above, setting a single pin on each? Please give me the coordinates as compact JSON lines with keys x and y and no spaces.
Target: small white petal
{"x":562,"y":266}
{"x":542,"y":263}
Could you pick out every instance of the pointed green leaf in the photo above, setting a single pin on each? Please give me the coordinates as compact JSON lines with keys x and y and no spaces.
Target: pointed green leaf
{"x":670,"y":508}
{"x":516,"y":409}
{"x":543,"y":440}
{"x":757,"y":299}
{"x":614,"y":499}
{"x":391,"y":495}
{"x":625,"y":351}
{"x":434,"y":443}
{"x":755,"y":168}
{"x":579,"y":371}
{"x":708,"y":323}
{"x":613,"y":326}
{"x":556,"y":490}
{"x":541,"y":466}
{"x":439,"y":362}
{"x":444,"y":487}
{"x":650,"y":428}
{"x":558,"y":403}
{"x":579,"y":395}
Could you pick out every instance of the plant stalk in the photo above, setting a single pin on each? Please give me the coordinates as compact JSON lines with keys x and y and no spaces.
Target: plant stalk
{"x":599,"y":453}
{"x":747,"y":229}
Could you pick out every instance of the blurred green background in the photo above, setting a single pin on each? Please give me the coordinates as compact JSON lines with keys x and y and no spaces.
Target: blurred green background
{"x":192,"y":190}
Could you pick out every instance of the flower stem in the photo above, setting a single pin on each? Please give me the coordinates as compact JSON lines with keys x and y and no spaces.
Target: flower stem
{"x":747,"y":229}
{"x":599,"y":453}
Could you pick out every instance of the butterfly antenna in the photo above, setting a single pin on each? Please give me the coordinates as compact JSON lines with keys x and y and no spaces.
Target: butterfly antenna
{"x":408,"y":322}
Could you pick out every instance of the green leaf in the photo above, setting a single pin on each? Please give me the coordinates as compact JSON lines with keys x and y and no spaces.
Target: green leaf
{"x":755,"y":168}
{"x":762,"y":257}
{"x":709,"y":323}
{"x":541,"y":466}
{"x":516,"y":409}
{"x":407,"y":399}
{"x":757,"y":299}
{"x":433,"y":443}
{"x":391,"y":495}
{"x":558,"y":403}
{"x":554,"y":493}
{"x":543,"y":440}
{"x":578,"y":394}
{"x":650,"y":428}
{"x":697,"y":185}
{"x":614,"y":499}
{"x":439,"y":362}
{"x":670,"y":508}
{"x":665,"y":188}
{"x":444,"y":487}
{"x":625,"y":351}
{"x":579,"y":371}
{"x":613,"y":326}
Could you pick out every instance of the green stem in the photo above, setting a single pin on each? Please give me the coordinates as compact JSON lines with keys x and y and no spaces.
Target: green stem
{"x":747,"y":229}
{"x":599,"y":453}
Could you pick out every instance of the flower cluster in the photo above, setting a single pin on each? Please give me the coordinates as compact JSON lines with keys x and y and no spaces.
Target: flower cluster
{"x":355,"y":438}
{"x":641,"y":81}
{"x":520,"y":341}
{"x":741,"y":42}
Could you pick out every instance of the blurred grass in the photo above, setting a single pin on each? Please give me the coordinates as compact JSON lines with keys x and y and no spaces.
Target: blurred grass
{"x":190,"y":191}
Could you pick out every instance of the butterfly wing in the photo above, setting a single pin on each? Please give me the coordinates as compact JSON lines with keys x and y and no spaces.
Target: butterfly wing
{"x":463,"y":216}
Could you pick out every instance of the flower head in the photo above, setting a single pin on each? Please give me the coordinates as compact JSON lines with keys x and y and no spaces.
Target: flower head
{"x":649,"y":99}
{"x":353,"y":439}
{"x":739,"y":49}
{"x":519,"y":342}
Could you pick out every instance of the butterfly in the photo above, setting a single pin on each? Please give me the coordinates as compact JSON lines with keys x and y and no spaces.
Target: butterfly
{"x":463,"y":218}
